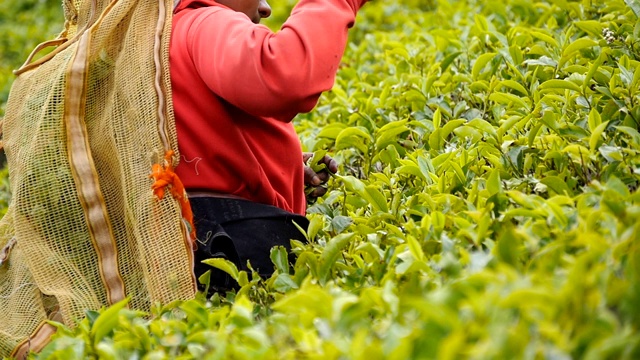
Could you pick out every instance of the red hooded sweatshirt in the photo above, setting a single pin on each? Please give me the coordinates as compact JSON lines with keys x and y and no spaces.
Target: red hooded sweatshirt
{"x":237,"y":86}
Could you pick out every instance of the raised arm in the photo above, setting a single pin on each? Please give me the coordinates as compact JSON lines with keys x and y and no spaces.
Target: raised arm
{"x":265,"y":73}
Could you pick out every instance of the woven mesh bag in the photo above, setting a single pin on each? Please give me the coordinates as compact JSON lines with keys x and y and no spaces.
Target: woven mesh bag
{"x":85,"y":127}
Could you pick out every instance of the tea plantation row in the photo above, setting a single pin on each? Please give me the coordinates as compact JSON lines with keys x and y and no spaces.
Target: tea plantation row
{"x":486,"y":207}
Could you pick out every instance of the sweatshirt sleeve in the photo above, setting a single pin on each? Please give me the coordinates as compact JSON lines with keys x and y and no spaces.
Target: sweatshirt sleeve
{"x":271,"y":74}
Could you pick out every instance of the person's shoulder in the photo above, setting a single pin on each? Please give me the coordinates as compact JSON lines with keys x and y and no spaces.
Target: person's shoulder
{"x":199,"y":15}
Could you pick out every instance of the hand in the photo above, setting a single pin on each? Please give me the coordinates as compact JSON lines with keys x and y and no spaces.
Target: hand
{"x":315,"y":179}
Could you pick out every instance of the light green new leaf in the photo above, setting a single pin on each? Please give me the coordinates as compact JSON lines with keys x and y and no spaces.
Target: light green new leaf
{"x":436,"y":140}
{"x":493,"y":183}
{"x":353,"y":136}
{"x":332,"y":130}
{"x":633,"y":133}
{"x":451,"y":125}
{"x":514,"y":85}
{"x":284,"y":283}
{"x":389,"y":132}
{"x":596,"y":136}
{"x":595,"y":66}
{"x":559,"y":84}
{"x":557,"y":185}
{"x":353,"y":184}
{"x":480,"y":63}
{"x":415,"y":248}
{"x":107,"y":321}
{"x":546,"y":38}
{"x":593,"y":27}
{"x":483,"y":126}
{"x":224,"y":265}
{"x":280,"y":259}
{"x":426,"y":168}
{"x":375,"y":198}
{"x":331,"y":252}
{"x":577,"y":45}
{"x":506,"y":98}
{"x":458,"y":171}
{"x":558,"y":214}
{"x":594,"y":119}
{"x":315,"y":161}
{"x":437,"y":118}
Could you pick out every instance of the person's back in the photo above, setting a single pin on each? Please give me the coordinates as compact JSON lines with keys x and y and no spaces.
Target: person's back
{"x":236,"y":88}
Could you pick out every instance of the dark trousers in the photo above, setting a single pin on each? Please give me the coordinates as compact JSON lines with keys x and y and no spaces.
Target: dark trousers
{"x":240,"y":230}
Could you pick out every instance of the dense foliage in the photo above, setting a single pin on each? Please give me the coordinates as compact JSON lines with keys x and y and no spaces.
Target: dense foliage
{"x":487,"y":205}
{"x":23,"y":25}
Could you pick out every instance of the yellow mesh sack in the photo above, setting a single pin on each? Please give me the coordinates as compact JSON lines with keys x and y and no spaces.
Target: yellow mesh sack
{"x":85,"y":127}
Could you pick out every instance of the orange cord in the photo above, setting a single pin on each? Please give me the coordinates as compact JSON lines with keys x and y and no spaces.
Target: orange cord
{"x":164,"y":176}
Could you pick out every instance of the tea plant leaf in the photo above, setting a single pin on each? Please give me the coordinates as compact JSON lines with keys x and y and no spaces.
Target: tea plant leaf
{"x":635,"y":6}
{"x":557,"y":185}
{"x":331,"y":253}
{"x":506,"y":98}
{"x":575,"y":46}
{"x":415,"y":248}
{"x":480,"y":63}
{"x":546,"y":38}
{"x":559,"y":84}
{"x":596,"y":136}
{"x":514,"y":85}
{"x":593,"y":27}
{"x":280,"y":259}
{"x":389,"y":133}
{"x":224,"y":265}
{"x":594,"y":119}
{"x":375,"y":198}
{"x":107,"y":321}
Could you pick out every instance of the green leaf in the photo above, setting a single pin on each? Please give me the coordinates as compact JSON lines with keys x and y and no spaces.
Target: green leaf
{"x":437,"y":118}
{"x":224,"y":265}
{"x":593,"y":27}
{"x":594,"y":119}
{"x":107,"y":321}
{"x":480,"y":63}
{"x":557,"y":185}
{"x":633,"y":133}
{"x":315,"y":161}
{"x":559,"y":84}
{"x":389,"y":133}
{"x":514,"y":85}
{"x":280,"y":259}
{"x":284,"y":283}
{"x":577,"y":45}
{"x":415,"y":248}
{"x":331,"y":252}
{"x":353,"y":184}
{"x":493,"y":183}
{"x":506,"y":98}
{"x":635,"y":6}
{"x":596,"y":136}
{"x":353,"y":137}
{"x":375,"y":198}
{"x":546,"y":38}
{"x":332,"y":130}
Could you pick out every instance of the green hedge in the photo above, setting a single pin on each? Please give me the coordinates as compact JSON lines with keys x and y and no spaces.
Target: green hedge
{"x":487,"y":204}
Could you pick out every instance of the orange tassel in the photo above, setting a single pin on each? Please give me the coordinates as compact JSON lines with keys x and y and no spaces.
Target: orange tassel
{"x":165,"y":177}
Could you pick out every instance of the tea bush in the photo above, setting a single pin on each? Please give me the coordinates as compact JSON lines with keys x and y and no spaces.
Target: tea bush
{"x":487,"y":204}
{"x":23,"y":25}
